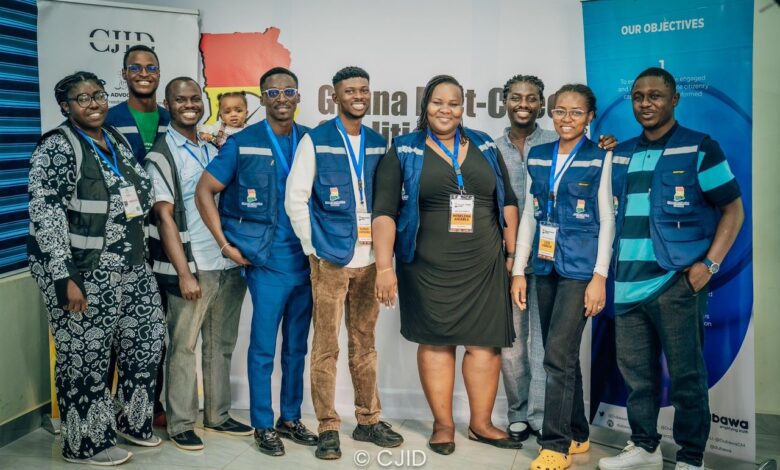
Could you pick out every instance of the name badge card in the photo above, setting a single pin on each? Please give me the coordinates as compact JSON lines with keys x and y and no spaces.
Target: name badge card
{"x":130,"y":201}
{"x":364,"y":228}
{"x":547,"y":235}
{"x":462,"y":213}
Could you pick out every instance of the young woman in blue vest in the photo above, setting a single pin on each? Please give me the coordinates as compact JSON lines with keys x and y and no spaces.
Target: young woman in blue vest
{"x":89,"y":199}
{"x":443,"y":199}
{"x":567,"y":228}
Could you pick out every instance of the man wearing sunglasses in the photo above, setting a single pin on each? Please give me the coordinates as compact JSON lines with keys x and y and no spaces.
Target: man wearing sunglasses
{"x":252,"y":229}
{"x":139,"y":118}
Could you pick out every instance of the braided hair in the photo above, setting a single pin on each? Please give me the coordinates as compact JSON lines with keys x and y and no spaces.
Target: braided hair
{"x":63,"y":87}
{"x":582,"y":90}
{"x":422,"y":121}
{"x":531,"y":79}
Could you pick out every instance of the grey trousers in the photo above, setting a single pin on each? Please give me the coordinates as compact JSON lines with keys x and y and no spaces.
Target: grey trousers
{"x":215,"y":316}
{"x":521,"y":365}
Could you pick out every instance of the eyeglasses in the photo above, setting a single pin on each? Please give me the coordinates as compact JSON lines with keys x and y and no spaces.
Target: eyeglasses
{"x":135,"y":68}
{"x":274,"y":93}
{"x":559,"y":113}
{"x":84,"y":100}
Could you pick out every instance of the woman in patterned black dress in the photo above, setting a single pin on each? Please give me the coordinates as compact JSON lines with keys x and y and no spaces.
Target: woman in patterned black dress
{"x":88,"y":204}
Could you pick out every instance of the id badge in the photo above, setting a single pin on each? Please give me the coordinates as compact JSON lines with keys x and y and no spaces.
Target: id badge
{"x":130,"y":201}
{"x":462,"y":213}
{"x":548,"y":233}
{"x":364,"y":228}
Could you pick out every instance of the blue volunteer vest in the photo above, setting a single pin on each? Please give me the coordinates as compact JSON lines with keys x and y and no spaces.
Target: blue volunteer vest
{"x":332,"y":205}
{"x":576,"y":209}
{"x":682,"y":222}
{"x":248,"y":205}
{"x":410,"y":149}
{"x":119,"y":116}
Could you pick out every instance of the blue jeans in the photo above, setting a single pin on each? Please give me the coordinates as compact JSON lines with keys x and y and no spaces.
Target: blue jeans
{"x":214,"y":317}
{"x":272,"y":305}
{"x":521,"y":364}
{"x":673,"y":323}
{"x":561,"y":311}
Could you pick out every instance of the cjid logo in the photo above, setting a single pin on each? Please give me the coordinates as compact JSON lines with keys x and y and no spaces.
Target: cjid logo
{"x":115,"y":40}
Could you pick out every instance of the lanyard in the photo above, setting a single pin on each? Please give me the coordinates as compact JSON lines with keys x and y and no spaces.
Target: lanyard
{"x":278,"y":149}
{"x":357,"y":164}
{"x":453,"y":156}
{"x":555,"y":175}
{"x":192,"y":154}
{"x":114,"y":165}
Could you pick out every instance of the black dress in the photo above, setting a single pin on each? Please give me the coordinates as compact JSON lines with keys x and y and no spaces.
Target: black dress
{"x":456,"y":290}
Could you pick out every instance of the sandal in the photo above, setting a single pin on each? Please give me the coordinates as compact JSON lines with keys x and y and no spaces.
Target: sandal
{"x":551,"y":460}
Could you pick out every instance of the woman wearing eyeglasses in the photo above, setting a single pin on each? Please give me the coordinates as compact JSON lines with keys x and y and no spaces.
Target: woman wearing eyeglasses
{"x":567,"y":228}
{"x":443,"y":199}
{"x":88,"y":204}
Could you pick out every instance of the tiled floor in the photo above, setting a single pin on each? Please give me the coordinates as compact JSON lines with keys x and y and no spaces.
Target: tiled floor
{"x":40,"y":451}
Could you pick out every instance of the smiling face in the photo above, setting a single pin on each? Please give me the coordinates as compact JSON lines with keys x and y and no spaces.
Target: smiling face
{"x":654,"y":102}
{"x":142,"y":83}
{"x":523,"y":103}
{"x":353,"y":97}
{"x":185,"y":104}
{"x":282,"y":108}
{"x":90,"y":118}
{"x":445,"y":109}
{"x":567,"y":126}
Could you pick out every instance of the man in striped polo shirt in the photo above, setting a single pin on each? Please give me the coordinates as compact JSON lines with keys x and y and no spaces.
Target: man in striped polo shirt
{"x":678,"y":213}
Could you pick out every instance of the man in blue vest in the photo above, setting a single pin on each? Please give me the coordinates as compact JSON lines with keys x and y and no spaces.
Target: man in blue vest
{"x":139,"y":118}
{"x":205,"y":290}
{"x":679,"y":212}
{"x":252,"y":229}
{"x":329,"y":200}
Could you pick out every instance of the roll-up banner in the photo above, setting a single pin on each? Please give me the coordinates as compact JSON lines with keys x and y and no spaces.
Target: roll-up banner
{"x":708,"y":46}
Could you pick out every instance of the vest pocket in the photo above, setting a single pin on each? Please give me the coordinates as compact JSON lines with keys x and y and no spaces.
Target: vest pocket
{"x":254,"y":195}
{"x":678,"y":192}
{"x":335,"y":191}
{"x":581,"y":206}
{"x":578,"y":250}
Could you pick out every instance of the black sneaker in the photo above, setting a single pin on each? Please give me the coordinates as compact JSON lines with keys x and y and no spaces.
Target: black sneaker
{"x":378,"y":433}
{"x":268,"y":442}
{"x":297,"y":432}
{"x":232,"y":427}
{"x":328,"y":447}
{"x":187,"y":440}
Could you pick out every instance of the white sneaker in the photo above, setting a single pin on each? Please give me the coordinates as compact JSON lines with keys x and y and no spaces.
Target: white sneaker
{"x":153,"y":441}
{"x":107,"y":458}
{"x":634,"y":458}
{"x":687,"y":466}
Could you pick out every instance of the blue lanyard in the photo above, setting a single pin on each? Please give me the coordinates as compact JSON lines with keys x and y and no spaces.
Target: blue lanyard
{"x":453,"y":155}
{"x":556,"y":175}
{"x":114,"y":165}
{"x":192,"y":154}
{"x":356,"y":163}
{"x":278,"y":149}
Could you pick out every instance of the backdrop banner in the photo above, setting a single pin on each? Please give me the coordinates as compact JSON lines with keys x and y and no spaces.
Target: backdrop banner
{"x":93,"y":36}
{"x":713,"y":71}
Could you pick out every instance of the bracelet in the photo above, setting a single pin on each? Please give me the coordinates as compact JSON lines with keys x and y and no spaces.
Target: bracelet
{"x":384,"y":270}
{"x":510,"y":254}
{"x":223,"y":247}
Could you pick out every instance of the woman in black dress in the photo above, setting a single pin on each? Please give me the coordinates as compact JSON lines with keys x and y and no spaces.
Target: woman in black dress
{"x":443,"y":199}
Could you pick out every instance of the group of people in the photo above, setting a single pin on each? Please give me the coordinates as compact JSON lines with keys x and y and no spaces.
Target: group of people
{"x":147,"y":230}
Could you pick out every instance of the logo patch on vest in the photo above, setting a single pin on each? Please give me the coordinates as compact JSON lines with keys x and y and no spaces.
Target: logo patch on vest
{"x":251,"y":196}
{"x":615,"y":203}
{"x":679,"y":193}
{"x":334,"y":194}
{"x":579,"y":210}
{"x":537,"y":210}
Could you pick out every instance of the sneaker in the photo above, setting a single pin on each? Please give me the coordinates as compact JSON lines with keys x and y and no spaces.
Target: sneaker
{"x":687,"y":466}
{"x":110,"y":457}
{"x":187,"y":440}
{"x":634,"y":458}
{"x":378,"y":433}
{"x":268,"y":442}
{"x":296,"y":432}
{"x":328,"y":446}
{"x":153,"y":441}
{"x":232,"y":427}
{"x":579,"y":447}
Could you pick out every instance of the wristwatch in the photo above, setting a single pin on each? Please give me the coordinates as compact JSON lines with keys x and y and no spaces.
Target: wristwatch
{"x":712,"y":266}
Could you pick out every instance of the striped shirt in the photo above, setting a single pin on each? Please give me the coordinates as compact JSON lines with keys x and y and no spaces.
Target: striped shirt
{"x":639,"y":277}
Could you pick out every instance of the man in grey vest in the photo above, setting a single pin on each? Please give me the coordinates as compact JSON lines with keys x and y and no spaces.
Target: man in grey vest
{"x":205,"y":289}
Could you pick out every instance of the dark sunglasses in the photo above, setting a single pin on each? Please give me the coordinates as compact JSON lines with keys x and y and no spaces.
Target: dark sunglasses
{"x":274,"y":93}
